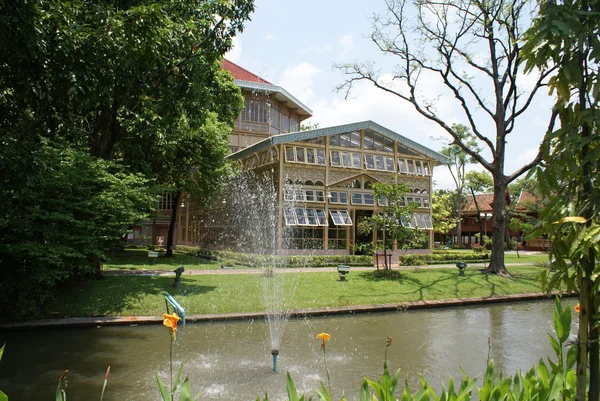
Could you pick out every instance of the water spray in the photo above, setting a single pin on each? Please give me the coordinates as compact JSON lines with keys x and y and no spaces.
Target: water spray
{"x":275,"y":353}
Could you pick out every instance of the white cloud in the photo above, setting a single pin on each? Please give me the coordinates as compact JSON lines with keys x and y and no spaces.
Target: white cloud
{"x":299,"y":81}
{"x":315,"y":49}
{"x":346,"y":43}
{"x":235,"y":53}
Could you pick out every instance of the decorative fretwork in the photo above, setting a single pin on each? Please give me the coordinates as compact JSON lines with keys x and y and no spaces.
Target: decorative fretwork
{"x":303,"y":174}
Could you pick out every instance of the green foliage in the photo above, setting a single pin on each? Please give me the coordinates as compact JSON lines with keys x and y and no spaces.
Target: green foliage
{"x":443,"y":212}
{"x":3,"y":397}
{"x":443,"y":258}
{"x":259,"y":260}
{"x":69,"y":210}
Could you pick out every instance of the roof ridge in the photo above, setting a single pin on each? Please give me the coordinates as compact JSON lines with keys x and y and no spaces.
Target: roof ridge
{"x":260,"y":79}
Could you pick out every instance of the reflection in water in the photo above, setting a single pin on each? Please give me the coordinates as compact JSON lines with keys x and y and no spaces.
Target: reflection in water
{"x":232,"y":360}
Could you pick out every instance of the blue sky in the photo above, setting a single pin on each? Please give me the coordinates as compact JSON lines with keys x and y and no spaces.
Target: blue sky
{"x":294,"y":44}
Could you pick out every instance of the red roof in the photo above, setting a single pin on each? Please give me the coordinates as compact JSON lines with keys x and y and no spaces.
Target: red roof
{"x":242,"y":74}
{"x":484,"y":201}
{"x":527,"y":202}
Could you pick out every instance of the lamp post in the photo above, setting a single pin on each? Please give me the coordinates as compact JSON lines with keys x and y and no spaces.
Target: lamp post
{"x":485,"y":217}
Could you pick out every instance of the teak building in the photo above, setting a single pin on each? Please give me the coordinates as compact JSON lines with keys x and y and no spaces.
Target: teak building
{"x":322,"y":177}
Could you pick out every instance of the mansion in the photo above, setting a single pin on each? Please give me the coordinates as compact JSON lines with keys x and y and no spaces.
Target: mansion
{"x":322,"y":178}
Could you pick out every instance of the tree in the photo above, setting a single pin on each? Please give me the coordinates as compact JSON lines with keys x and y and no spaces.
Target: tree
{"x":61,"y":210}
{"x":443,"y":205}
{"x":458,"y":160}
{"x":566,"y":35}
{"x":479,"y":182}
{"x":396,"y":221}
{"x":465,"y":45}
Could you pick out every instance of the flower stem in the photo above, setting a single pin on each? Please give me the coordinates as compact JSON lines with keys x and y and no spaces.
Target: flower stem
{"x":171,"y":367}
{"x":327,"y":371}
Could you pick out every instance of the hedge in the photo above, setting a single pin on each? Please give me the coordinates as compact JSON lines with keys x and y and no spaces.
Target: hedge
{"x":443,"y":258}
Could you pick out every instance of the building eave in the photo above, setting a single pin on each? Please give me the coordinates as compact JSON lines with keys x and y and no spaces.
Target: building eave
{"x":280,"y":94}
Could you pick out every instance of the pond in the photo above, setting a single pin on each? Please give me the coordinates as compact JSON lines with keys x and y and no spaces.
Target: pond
{"x":231,"y":360}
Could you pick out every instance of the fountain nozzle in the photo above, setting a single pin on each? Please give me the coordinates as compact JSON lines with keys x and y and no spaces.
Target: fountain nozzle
{"x":275,"y":353}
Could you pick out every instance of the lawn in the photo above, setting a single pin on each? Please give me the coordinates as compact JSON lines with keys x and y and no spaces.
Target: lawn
{"x":225,"y":293}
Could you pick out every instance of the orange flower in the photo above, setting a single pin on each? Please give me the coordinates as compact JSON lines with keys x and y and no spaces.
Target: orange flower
{"x":324,"y":337}
{"x":170,"y":321}
{"x":388,"y":342}
{"x":577,"y":308}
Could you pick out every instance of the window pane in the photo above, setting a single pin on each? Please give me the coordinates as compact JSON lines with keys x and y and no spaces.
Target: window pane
{"x":299,"y":155}
{"x":388,"y":145}
{"x":419,"y":168}
{"x":335,"y":216}
{"x":321,"y":156}
{"x":322,"y":218}
{"x":378,"y":142}
{"x":369,"y":199}
{"x":310,"y":195}
{"x":389,"y":163}
{"x":357,"y":199}
{"x":289,"y":154}
{"x":356,"y":160}
{"x":426,"y":168}
{"x":368,"y":140}
{"x":346,"y":217}
{"x":334,"y":140}
{"x":419,"y":219}
{"x":335,"y":158}
{"x":333,"y":198}
{"x":355,"y":140}
{"x":426,"y":202}
{"x":301,"y":216}
{"x":299,"y":195}
{"x":345,"y":140}
{"x":290,"y":217}
{"x":320,"y":196}
{"x":427,"y":221}
{"x":355,"y":184}
{"x":288,"y":194}
{"x":368,"y":185}
{"x":382,"y":201}
{"x":402,"y":165}
{"x":310,"y":156}
{"x":343,"y":198}
{"x":346,"y":162}
{"x":411,"y":166}
{"x":379,"y":163}
{"x":311,"y":216}
{"x":370,"y":162}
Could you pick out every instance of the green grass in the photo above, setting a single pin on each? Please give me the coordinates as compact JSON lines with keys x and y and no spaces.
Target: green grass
{"x":137,"y":259}
{"x":226,"y":293}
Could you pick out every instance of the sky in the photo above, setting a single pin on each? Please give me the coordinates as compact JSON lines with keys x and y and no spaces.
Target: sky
{"x":294,"y":44}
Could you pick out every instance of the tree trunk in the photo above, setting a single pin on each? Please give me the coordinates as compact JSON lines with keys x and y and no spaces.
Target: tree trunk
{"x":459,"y":217}
{"x":172,"y":225}
{"x":498,"y":227}
{"x":107,"y":132}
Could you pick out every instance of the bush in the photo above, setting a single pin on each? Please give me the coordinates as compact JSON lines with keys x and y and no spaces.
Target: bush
{"x":442,"y":258}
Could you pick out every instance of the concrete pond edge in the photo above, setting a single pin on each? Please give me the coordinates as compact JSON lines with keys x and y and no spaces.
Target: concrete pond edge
{"x":341,"y":310}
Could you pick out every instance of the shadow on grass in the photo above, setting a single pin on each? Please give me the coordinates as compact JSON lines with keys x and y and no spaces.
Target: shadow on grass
{"x":131,"y":259}
{"x":115,"y":295}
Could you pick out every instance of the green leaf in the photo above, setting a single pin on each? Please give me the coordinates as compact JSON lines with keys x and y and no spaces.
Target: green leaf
{"x":186,"y":392}
{"x":177,"y":378}
{"x":3,"y":397}
{"x":164,"y":392}
{"x":291,"y":388}
{"x":2,"y":351}
{"x":571,"y":219}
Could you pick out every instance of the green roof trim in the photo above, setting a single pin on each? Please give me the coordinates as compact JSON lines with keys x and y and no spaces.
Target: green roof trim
{"x":339,"y":129}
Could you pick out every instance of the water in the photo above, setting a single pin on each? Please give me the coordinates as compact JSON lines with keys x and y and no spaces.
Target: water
{"x":232,"y":360}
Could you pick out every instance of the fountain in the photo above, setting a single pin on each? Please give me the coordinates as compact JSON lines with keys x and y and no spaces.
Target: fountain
{"x":250,"y":202}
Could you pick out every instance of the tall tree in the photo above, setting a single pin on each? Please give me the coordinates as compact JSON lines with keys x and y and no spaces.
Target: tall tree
{"x":443,"y":212}
{"x":458,"y":161}
{"x":465,"y":45}
{"x":566,"y":34}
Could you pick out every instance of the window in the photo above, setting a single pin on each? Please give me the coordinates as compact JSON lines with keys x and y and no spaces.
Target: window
{"x":288,"y":194}
{"x":379,"y":163}
{"x":426,"y":168}
{"x":407,"y":222}
{"x":321,"y":157}
{"x":335,"y":158}
{"x":382,"y":201}
{"x":320,"y":196}
{"x":370,"y":162}
{"x":426,"y":202}
{"x":346,"y":161}
{"x":311,"y":216}
{"x":389,"y":163}
{"x":369,"y":199}
{"x":284,"y":123}
{"x":337,"y":237}
{"x":308,"y":182}
{"x":289,"y":154}
{"x":166,"y":201}
{"x":274,"y":117}
{"x":338,"y":198}
{"x":340,"y":217}
{"x":299,"y":155}
{"x":355,"y":184}
{"x":368,"y":185}
{"x":411,"y":166}
{"x":301,"y":217}
{"x":293,"y":125}
{"x":254,"y":111}
{"x":402,"y":166}
{"x":321,"y":217}
{"x":299,"y":195}
{"x":356,"y":199}
{"x":304,"y":238}
{"x":309,"y":195}
{"x":356,"y":160}
{"x":310,"y":156}
{"x":318,"y":183}
{"x":418,"y":167}
{"x":406,"y":151}
{"x":289,"y":216}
